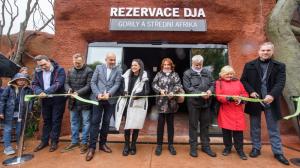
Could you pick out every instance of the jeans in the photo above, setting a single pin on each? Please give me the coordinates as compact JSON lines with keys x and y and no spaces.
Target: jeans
{"x":75,"y":125}
{"x":8,"y":125}
{"x":103,"y":113}
{"x":273,"y":130}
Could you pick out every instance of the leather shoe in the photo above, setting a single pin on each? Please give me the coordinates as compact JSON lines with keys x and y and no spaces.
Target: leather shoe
{"x":254,"y":153}
{"x":226,"y":151}
{"x":90,"y":154}
{"x":158,"y":150}
{"x":105,"y":148}
{"x":209,"y":152}
{"x":242,"y":155}
{"x":281,"y":159}
{"x":40,"y":146}
{"x":53,"y":147}
{"x":193,"y":152}
{"x":172,"y":150}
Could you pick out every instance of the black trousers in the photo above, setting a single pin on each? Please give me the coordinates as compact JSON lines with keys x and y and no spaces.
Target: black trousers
{"x":238,"y":138}
{"x":162,"y":119}
{"x":197,"y":115}
{"x":52,"y":114}
{"x":103,"y":113}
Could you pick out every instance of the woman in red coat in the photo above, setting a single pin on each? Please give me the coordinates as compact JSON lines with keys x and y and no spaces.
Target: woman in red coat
{"x":231,"y":114}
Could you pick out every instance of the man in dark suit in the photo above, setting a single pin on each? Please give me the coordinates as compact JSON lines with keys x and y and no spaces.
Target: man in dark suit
{"x":49,"y":78}
{"x":265,"y":78}
{"x":105,"y":83}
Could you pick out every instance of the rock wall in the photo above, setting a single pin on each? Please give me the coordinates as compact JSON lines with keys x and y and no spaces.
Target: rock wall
{"x":239,"y":24}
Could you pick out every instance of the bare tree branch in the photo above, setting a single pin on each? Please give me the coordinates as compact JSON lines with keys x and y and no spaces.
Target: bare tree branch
{"x":46,"y":24}
{"x":29,"y":55}
{"x":33,"y":11}
{"x":2,"y":22}
{"x":12,"y":20}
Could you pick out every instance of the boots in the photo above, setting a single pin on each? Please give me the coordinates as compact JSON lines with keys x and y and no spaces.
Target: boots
{"x":126,"y":146}
{"x":135,"y":135}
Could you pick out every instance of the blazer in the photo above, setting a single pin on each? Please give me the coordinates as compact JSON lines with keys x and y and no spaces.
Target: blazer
{"x":276,"y":77}
{"x":100,"y":83}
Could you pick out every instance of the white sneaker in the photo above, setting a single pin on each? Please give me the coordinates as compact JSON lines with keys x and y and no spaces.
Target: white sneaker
{"x":9,"y":151}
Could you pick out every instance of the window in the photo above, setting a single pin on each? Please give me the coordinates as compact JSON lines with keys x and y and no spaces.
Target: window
{"x":96,"y":55}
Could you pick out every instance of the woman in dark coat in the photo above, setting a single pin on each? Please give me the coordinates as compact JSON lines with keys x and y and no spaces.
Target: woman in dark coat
{"x":166,"y":83}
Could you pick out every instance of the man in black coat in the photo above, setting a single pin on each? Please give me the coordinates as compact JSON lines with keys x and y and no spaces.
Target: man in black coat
{"x":198,"y":80}
{"x":78,"y":82}
{"x":265,"y":78}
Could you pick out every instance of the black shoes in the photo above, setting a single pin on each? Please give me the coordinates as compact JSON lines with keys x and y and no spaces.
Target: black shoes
{"x":53,"y":147}
{"x":254,"y":153}
{"x":158,"y":150}
{"x":226,"y":151}
{"x":193,"y":152}
{"x":105,"y":148}
{"x":40,"y":146}
{"x":172,"y":150}
{"x":281,"y":159}
{"x":126,"y":149}
{"x":132,"y":149}
{"x":242,"y":155}
{"x":209,"y":152}
{"x":90,"y":154}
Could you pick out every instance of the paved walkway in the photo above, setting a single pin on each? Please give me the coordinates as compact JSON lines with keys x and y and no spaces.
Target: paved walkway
{"x":145,"y":157}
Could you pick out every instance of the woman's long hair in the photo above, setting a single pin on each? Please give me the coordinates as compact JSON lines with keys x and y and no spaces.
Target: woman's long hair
{"x":141,"y":64}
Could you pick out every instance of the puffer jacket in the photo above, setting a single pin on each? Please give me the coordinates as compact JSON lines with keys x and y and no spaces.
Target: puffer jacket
{"x":7,"y":101}
{"x":79,"y":80}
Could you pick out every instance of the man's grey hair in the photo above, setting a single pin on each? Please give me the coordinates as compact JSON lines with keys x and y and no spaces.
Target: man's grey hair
{"x":197,"y":58}
{"x":110,"y":54}
{"x":41,"y":57}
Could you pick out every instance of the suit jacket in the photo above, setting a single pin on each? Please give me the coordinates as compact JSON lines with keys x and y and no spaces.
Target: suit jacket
{"x":251,"y":79}
{"x":100,"y":84}
{"x":57,"y":82}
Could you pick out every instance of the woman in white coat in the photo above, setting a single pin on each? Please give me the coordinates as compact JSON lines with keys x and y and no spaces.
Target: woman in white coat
{"x":133,"y":108}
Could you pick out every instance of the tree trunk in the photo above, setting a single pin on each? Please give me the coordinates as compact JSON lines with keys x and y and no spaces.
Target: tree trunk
{"x":21,"y":45}
{"x":287,"y":48}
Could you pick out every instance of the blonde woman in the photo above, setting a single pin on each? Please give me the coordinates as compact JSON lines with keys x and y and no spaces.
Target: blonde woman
{"x":231,"y":115}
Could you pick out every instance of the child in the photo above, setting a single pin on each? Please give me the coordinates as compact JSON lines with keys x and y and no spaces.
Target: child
{"x":231,"y":115}
{"x":12,"y":108}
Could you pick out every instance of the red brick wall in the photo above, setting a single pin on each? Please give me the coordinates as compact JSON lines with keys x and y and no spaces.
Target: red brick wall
{"x":239,"y":23}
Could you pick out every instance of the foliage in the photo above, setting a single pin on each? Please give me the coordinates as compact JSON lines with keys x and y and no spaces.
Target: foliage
{"x":214,"y":58}
{"x":94,"y":64}
{"x":33,"y":119}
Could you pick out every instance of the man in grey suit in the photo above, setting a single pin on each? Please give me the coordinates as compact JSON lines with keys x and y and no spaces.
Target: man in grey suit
{"x":105,"y":83}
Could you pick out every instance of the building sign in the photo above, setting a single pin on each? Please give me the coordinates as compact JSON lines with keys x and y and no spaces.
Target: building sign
{"x":157,"y":19}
